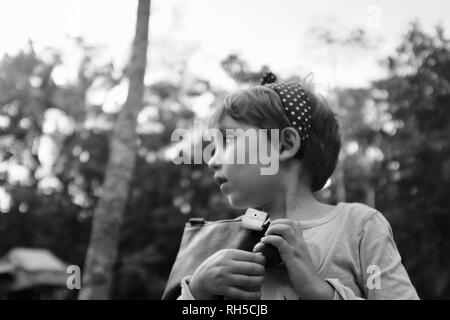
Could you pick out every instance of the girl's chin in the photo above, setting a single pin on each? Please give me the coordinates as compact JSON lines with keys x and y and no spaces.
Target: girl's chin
{"x":239,"y":202}
{"x":237,"y":198}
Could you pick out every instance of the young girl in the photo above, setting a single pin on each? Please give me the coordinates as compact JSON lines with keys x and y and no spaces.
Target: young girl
{"x":345,"y":251}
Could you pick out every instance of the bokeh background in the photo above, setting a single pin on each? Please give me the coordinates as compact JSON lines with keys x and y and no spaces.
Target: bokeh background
{"x":383,"y":65}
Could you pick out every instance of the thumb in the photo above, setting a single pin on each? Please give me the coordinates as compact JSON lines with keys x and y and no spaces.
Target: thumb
{"x":258,"y":247}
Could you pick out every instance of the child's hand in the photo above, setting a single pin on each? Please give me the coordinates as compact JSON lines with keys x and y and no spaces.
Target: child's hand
{"x":286,"y":235}
{"x":233,"y":273}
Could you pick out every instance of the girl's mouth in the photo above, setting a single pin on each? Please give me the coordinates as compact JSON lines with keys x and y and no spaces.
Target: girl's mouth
{"x":222,"y":187}
{"x":220,"y":180}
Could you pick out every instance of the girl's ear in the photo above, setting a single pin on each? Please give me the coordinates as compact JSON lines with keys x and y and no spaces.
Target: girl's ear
{"x":290,"y":142}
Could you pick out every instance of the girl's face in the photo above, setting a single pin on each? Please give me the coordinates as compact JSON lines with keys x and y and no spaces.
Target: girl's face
{"x":243,"y":183}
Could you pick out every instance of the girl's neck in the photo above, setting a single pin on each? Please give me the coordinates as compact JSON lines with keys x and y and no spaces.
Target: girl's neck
{"x":296,"y":204}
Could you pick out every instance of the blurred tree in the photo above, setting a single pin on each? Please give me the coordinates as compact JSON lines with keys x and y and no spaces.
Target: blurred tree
{"x":239,"y":70}
{"x":363,"y":118}
{"x":337,"y":41}
{"x":417,"y":150}
{"x":43,"y":116}
{"x":103,"y":246}
{"x":54,"y":154}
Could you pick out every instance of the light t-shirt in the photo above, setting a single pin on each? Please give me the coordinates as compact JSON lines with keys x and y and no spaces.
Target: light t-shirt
{"x":353,"y":249}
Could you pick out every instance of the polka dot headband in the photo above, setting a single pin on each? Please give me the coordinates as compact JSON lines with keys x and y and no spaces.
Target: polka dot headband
{"x":295,"y":102}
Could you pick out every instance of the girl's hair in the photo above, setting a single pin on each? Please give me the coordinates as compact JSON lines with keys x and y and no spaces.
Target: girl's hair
{"x":261,"y":107}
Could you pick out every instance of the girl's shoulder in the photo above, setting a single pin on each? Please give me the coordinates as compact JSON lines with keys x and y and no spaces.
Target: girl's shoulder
{"x":361,"y":216}
{"x":357,"y":209}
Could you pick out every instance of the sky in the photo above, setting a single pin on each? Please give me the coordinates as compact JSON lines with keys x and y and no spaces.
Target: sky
{"x":202,"y":32}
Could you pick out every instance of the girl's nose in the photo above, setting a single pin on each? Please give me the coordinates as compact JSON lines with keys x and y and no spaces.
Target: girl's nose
{"x":214,"y":162}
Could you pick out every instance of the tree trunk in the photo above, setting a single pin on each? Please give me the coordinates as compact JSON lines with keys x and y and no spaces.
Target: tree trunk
{"x":102,"y":252}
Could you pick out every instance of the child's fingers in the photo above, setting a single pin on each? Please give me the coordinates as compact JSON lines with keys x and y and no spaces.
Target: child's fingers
{"x":285,"y":221}
{"x":245,"y":281}
{"x":278,"y":242}
{"x":282,"y":230}
{"x":258,"y":247}
{"x":248,"y":268}
{"x":241,"y":255}
{"x":296,"y":225}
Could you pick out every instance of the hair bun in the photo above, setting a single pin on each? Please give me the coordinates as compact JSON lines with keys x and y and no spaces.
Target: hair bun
{"x":268,"y":77}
